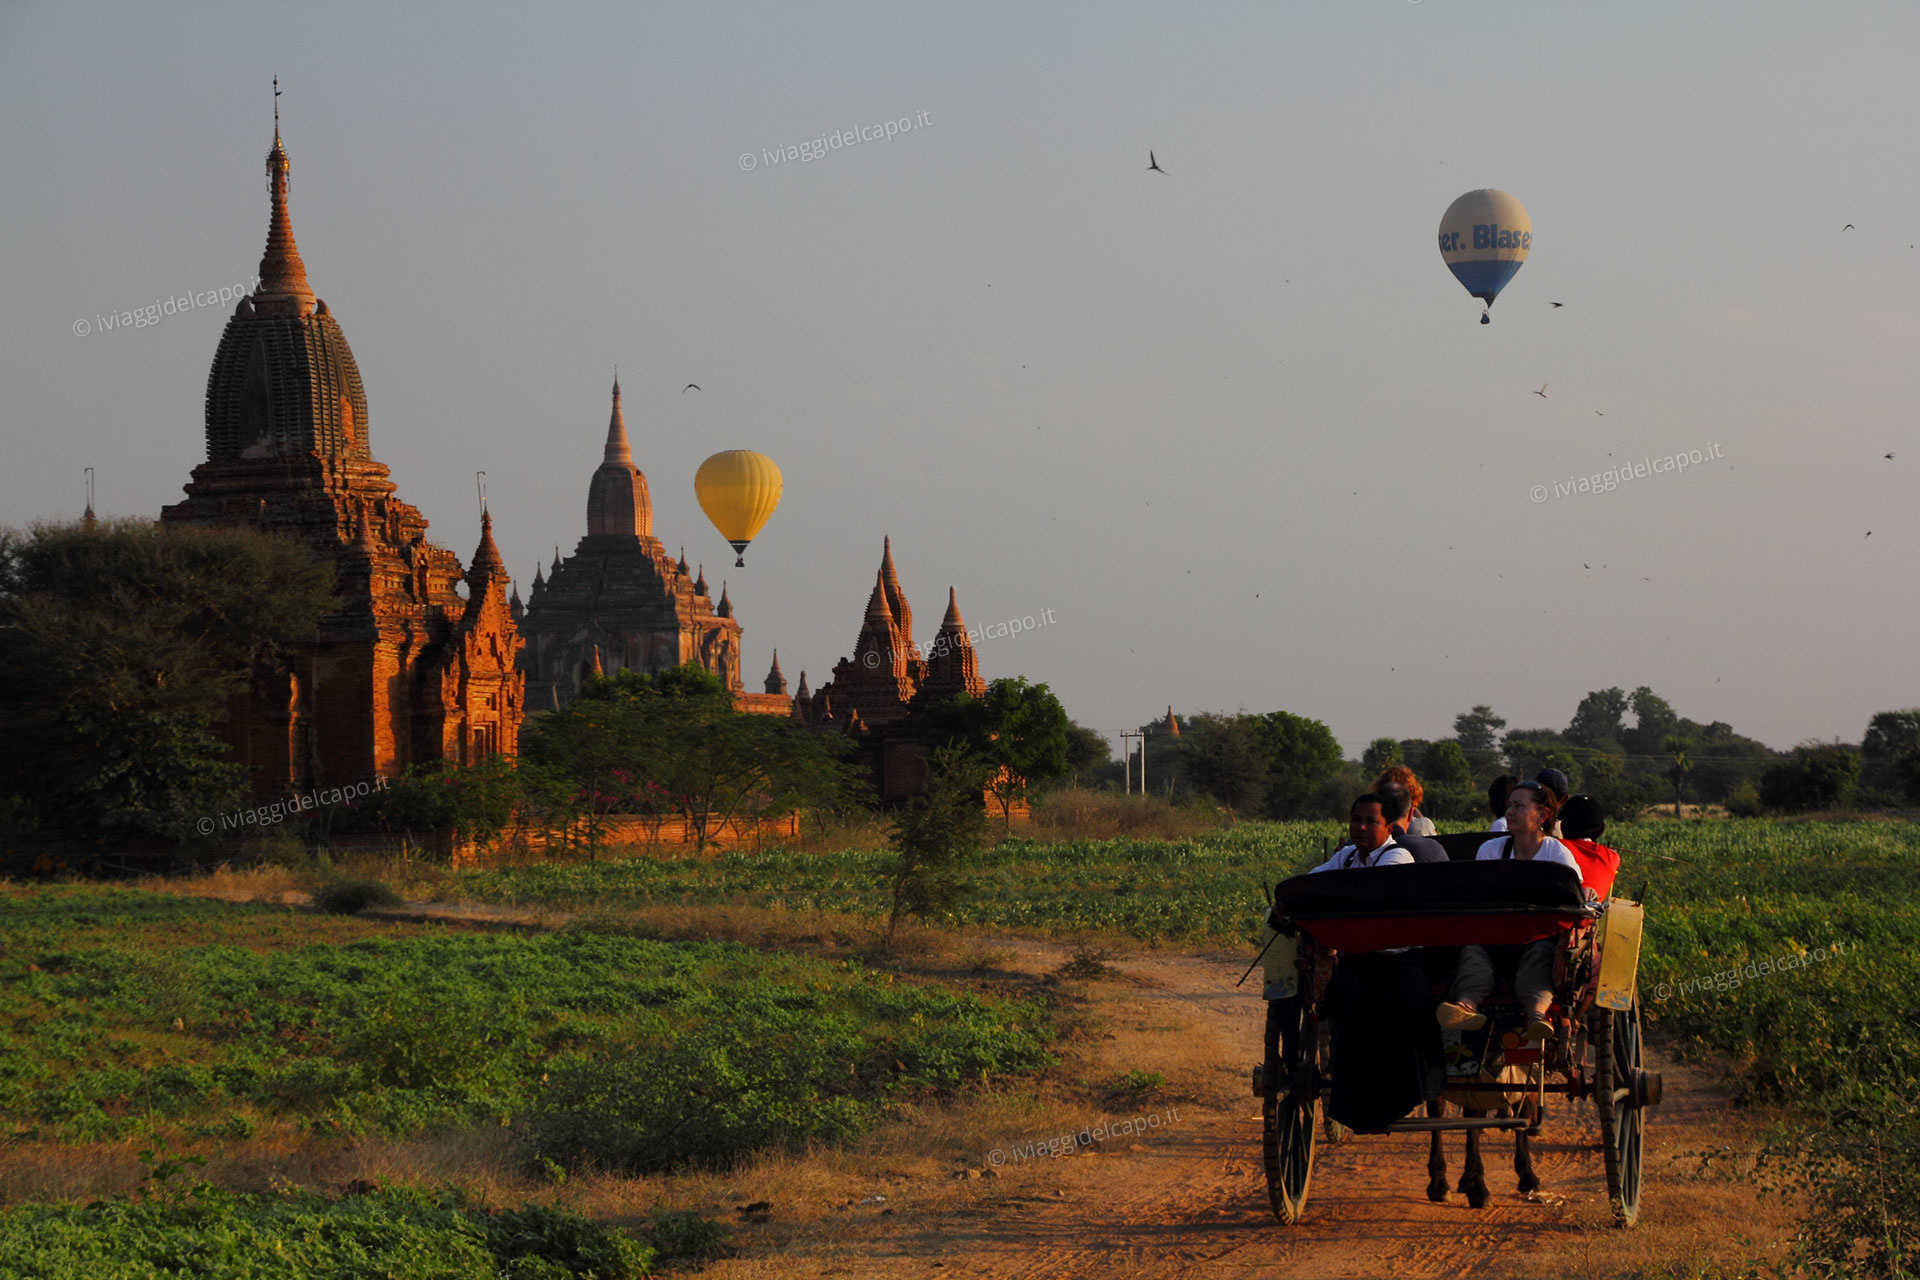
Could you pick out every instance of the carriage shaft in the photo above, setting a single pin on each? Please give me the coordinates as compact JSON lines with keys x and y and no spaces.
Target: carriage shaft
{"x":1431,"y":1124}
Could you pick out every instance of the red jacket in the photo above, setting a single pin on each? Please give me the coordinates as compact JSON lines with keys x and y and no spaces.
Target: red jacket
{"x":1598,"y":865}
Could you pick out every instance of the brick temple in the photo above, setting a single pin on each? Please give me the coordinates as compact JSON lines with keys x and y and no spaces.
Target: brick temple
{"x":876,"y":695}
{"x":404,"y":669}
{"x":620,"y":601}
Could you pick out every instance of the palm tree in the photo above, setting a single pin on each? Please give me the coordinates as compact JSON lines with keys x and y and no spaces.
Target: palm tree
{"x":1677,"y":747}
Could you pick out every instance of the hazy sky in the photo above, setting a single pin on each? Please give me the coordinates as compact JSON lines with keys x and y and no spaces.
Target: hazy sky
{"x":1235,"y":425}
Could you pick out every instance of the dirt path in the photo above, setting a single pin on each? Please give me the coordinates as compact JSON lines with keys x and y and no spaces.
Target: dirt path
{"x":1189,"y":1199}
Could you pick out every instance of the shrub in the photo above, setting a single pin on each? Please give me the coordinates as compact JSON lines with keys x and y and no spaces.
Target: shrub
{"x":350,"y":897}
{"x":1816,"y":776}
{"x":398,"y":1232}
{"x":742,"y":1080}
{"x":1744,"y":801}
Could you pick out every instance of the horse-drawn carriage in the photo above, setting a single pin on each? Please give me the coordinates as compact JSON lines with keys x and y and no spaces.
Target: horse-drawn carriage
{"x":1321,"y":921}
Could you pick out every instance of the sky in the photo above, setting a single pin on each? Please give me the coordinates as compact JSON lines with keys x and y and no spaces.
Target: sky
{"x":1232,"y":427}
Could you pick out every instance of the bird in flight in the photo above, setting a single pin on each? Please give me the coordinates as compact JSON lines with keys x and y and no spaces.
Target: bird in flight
{"x":691,"y":386}
{"x":1889,"y":456}
{"x":1542,"y":392}
{"x":1602,"y":415}
{"x":1153,"y":165}
{"x":1556,"y":304}
{"x":1848,"y":227}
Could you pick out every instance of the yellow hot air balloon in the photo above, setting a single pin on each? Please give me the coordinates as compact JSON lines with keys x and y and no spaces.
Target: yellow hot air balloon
{"x":738,"y":489}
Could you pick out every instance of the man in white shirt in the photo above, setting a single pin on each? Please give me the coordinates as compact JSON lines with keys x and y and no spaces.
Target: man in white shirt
{"x":1370,"y":841}
{"x":1377,"y":1002}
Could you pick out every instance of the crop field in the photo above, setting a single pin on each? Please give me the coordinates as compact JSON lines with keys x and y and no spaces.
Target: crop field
{"x":1721,"y":895}
{"x":125,"y":1013}
{"x":1784,"y":955}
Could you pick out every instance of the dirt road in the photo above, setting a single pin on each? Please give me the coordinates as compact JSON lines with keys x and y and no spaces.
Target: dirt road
{"x":1188,"y":1198}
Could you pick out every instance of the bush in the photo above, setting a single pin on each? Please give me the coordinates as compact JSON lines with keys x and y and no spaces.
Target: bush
{"x":1074,"y":813}
{"x":350,"y":897}
{"x":743,"y":1080}
{"x":396,"y":1232}
{"x":1744,"y":801}
{"x":1815,"y":776}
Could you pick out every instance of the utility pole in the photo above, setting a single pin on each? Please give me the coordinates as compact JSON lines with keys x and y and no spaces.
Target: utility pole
{"x":1126,"y":760}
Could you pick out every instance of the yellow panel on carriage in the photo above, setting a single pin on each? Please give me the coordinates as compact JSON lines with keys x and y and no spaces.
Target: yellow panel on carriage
{"x":1619,"y":953}
{"x":1277,"y":966}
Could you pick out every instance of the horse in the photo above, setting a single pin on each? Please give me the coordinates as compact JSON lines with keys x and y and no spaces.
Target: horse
{"x":1473,"y":1181}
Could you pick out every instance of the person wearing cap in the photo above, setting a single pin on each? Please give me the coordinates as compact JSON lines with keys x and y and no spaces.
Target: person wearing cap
{"x":1398,"y":775}
{"x":1584,"y":824}
{"x":1497,"y":792}
{"x":1531,"y":810}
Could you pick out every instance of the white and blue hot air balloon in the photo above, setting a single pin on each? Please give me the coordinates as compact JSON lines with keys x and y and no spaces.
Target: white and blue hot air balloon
{"x":1484,"y":237}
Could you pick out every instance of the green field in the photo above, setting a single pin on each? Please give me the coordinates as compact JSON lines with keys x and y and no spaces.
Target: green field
{"x":1720,"y":894}
{"x":1786,"y":952}
{"x":125,"y":1013}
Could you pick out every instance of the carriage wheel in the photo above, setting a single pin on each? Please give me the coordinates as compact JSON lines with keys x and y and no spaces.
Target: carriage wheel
{"x":1620,"y":1091}
{"x":1287,"y":1113}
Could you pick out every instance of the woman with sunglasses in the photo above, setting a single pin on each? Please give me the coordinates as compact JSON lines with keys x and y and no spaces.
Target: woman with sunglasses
{"x":1532,"y":809}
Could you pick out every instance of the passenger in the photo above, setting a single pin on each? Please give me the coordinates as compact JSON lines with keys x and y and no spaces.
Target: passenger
{"x":1497,"y":792}
{"x":1385,"y":1049}
{"x":1584,"y":824}
{"x":1531,"y":810}
{"x":1370,"y":841}
{"x":1556,"y":782}
{"x":1398,"y":775}
{"x":1395,"y":805}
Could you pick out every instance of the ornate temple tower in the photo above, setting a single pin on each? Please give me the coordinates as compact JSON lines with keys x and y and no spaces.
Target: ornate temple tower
{"x":875,"y":695}
{"x":404,"y":669}
{"x":620,"y":601}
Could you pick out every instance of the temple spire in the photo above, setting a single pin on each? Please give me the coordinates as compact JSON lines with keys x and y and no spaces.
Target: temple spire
{"x":896,"y":598}
{"x":487,"y":562}
{"x":618,"y":451}
{"x":283,"y":287}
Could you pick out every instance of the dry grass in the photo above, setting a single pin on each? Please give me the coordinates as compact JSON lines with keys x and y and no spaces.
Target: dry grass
{"x":1075,"y":813}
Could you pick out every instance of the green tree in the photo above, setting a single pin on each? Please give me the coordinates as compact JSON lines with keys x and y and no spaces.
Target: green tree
{"x":1017,"y":732}
{"x":1301,"y":754}
{"x":934,"y":835}
{"x":1445,"y":774}
{"x":579,"y":766}
{"x":1380,"y":753}
{"x":1653,"y":720}
{"x":1478,"y":733}
{"x":688,"y":682}
{"x":1529,"y":751}
{"x":475,"y":803}
{"x":1088,"y":753}
{"x":1226,"y":758}
{"x":1817,"y":775}
{"x":121,"y":647}
{"x":1444,"y":764}
{"x":1676,"y":748}
{"x":1600,"y":718}
{"x":1890,"y":753}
